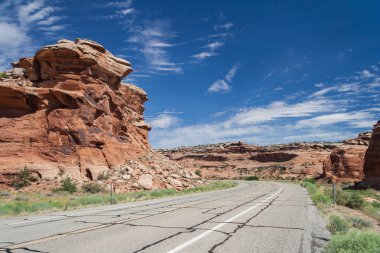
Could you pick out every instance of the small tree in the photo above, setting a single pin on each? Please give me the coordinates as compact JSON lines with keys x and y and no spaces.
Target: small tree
{"x":24,"y":178}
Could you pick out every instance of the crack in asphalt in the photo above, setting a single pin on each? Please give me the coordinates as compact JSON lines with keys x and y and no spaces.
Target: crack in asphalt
{"x":193,"y":228}
{"x":105,"y":225}
{"x":242,"y":225}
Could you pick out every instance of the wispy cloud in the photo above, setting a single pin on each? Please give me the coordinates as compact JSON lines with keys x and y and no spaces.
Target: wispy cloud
{"x":163,"y":120}
{"x":327,"y":114}
{"x":223,"y":85}
{"x":18,"y":19}
{"x":216,"y":41}
{"x":151,"y":38}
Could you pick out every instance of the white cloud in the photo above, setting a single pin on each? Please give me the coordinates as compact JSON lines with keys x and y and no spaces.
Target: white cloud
{"x":151,"y":39}
{"x":219,"y":86}
{"x":17,"y":21}
{"x":216,"y":42}
{"x":127,"y":11}
{"x":223,"y":85}
{"x":231,"y":73}
{"x":163,"y":120}
{"x":280,"y":110}
{"x":355,"y":119}
{"x":203,"y":55}
{"x":120,"y":4}
{"x":366,"y":74}
{"x":225,"y":26}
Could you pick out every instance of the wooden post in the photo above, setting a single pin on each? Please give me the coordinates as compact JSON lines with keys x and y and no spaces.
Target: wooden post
{"x":111,"y":194}
{"x":334,"y":193}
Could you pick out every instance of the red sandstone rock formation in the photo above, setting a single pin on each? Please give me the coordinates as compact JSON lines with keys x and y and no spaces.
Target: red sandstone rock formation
{"x":235,"y":160}
{"x":65,"y":112}
{"x":372,"y":159}
{"x":362,"y":139}
{"x":345,"y":164}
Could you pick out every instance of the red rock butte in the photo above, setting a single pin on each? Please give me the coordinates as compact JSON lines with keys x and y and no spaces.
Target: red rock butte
{"x":66,"y":112}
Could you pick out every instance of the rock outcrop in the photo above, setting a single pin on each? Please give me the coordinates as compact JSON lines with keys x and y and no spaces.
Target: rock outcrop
{"x":345,"y":164}
{"x":65,"y":113}
{"x":362,"y":139}
{"x":372,"y":159}
{"x":236,"y":160}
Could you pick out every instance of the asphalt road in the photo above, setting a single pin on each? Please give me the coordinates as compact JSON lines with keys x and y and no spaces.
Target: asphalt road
{"x":253,"y":217}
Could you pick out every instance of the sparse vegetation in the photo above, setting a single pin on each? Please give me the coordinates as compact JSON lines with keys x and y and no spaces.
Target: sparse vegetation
{"x":62,"y":200}
{"x":252,"y":178}
{"x":104,"y":175}
{"x":92,"y":188}
{"x":25,"y":178}
{"x":198,"y":173}
{"x":68,"y":185}
{"x":3,"y":75}
{"x":337,"y":225}
{"x":354,"y":242}
{"x":359,"y":223}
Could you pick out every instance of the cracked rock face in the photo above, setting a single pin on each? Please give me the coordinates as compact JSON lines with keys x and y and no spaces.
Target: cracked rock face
{"x":65,"y":112}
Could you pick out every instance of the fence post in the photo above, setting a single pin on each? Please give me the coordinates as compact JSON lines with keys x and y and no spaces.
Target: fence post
{"x":334,"y":193}
{"x":111,"y":194}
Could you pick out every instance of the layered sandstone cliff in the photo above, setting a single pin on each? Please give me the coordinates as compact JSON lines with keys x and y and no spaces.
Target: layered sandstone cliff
{"x":372,"y":159}
{"x":65,"y":113}
{"x":236,"y":160}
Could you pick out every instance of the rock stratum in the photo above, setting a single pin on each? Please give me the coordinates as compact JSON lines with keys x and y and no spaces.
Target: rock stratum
{"x":65,"y":113}
{"x":339,"y":162}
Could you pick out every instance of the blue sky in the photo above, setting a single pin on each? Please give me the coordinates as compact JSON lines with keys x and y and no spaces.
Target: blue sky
{"x":258,"y":71}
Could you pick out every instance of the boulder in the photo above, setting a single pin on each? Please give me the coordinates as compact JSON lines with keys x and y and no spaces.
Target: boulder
{"x":146,"y":181}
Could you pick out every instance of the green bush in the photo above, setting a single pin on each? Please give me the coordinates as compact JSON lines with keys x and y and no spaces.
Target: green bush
{"x":359,"y":223}
{"x":355,"y":201}
{"x":309,"y":180}
{"x":350,"y":199}
{"x":337,"y":225}
{"x":3,"y":75}
{"x":25,"y":178}
{"x":68,"y":185}
{"x":252,"y":178}
{"x":93,"y":188}
{"x":354,"y":242}
{"x":376,"y":204}
{"x":198,"y":173}
{"x":320,"y":198}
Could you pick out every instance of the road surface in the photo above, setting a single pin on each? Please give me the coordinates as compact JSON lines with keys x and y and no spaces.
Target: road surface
{"x":252,"y":217}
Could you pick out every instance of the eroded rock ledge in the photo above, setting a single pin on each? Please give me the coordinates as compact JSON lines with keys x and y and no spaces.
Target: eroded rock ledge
{"x":65,"y":112}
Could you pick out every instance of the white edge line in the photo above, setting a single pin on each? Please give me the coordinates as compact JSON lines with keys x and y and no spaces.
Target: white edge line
{"x":182,"y":246}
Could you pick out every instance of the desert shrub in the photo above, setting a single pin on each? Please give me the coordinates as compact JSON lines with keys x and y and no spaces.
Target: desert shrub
{"x":359,"y":223}
{"x":350,"y":199}
{"x":319,"y":198}
{"x":198,"y":173}
{"x":355,"y":201}
{"x":337,"y":225}
{"x":104,"y":175}
{"x":93,"y":187}
{"x":3,"y":75}
{"x":22,"y":198}
{"x":68,"y":185}
{"x":25,"y":178}
{"x":4,"y":193}
{"x":252,"y":178}
{"x":309,"y":180}
{"x":371,"y":211}
{"x":376,"y":204}
{"x":354,"y":242}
